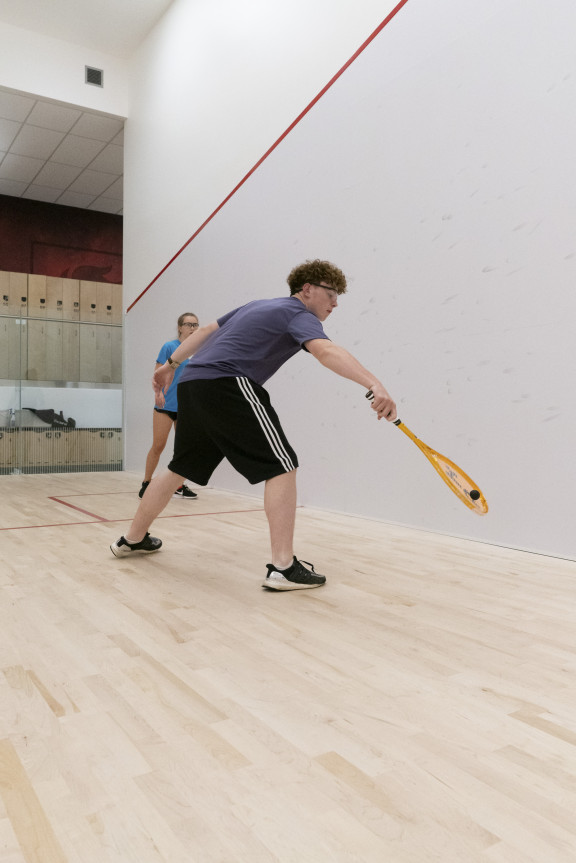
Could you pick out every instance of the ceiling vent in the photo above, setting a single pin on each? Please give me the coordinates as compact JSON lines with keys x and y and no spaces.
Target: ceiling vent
{"x":94,"y":76}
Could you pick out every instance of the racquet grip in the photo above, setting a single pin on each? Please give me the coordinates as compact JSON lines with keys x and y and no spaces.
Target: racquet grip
{"x":370,"y":395}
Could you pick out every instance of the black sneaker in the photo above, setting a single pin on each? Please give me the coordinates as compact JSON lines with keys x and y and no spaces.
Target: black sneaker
{"x":299,"y":578}
{"x":186,"y":492}
{"x":146,"y":546}
{"x":143,"y":489}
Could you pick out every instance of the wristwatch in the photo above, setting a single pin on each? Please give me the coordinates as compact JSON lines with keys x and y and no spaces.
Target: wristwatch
{"x":172,"y":363}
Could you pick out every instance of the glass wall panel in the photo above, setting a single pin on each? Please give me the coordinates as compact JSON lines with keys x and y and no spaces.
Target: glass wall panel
{"x":60,"y":376}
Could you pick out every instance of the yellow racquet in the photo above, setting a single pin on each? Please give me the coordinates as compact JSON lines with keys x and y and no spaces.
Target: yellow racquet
{"x":454,"y":477}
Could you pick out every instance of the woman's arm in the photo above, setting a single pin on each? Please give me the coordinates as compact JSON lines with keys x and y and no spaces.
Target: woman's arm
{"x":163,"y":375}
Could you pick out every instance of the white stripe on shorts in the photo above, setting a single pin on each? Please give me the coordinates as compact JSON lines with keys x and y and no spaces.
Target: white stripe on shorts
{"x":266,"y":425}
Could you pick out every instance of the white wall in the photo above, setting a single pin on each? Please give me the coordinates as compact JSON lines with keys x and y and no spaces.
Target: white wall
{"x":54,"y":69}
{"x":438,"y":172}
{"x":214,"y":86}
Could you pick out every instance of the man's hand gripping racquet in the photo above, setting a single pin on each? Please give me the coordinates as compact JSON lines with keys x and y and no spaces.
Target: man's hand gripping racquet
{"x":454,"y":477}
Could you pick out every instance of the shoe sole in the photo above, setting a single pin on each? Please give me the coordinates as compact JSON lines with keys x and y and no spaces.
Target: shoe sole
{"x":118,"y":551}
{"x":282,"y":583}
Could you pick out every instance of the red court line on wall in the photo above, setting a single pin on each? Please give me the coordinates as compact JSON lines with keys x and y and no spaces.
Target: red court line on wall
{"x":274,"y":145}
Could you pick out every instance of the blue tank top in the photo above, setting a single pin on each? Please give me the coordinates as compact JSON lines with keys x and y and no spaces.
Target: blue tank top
{"x":167,"y":349}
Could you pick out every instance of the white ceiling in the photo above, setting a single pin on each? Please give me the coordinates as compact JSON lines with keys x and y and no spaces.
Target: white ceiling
{"x":60,"y":154}
{"x":54,"y":152}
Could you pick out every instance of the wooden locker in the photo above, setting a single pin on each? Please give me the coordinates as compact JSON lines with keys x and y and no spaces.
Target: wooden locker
{"x":88,"y":443}
{"x":14,"y":293}
{"x":35,"y":366}
{"x":5,"y":335}
{"x":54,"y":297}
{"x":54,"y":370}
{"x":37,"y":296}
{"x":89,"y":301}
{"x":116,"y":449}
{"x":45,"y":448}
{"x":5,"y":293}
{"x":59,"y":447}
{"x":96,"y":353}
{"x":8,"y":449}
{"x":116,"y":355}
{"x":89,"y":448}
{"x":80,"y":447}
{"x":70,"y":299}
{"x":70,"y":351}
{"x":104,"y":302}
{"x":20,"y":347}
{"x":13,"y":342}
{"x":88,"y":352}
{"x":35,"y":448}
{"x":71,"y":438}
{"x":104,"y":447}
{"x":10,"y":330}
{"x":103,"y":370}
{"x":117,"y":311}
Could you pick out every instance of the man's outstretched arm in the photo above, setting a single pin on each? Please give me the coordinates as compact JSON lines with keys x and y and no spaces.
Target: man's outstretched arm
{"x":343,"y":363}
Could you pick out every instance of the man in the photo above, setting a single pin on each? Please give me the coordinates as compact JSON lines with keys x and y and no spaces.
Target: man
{"x":224,"y":411}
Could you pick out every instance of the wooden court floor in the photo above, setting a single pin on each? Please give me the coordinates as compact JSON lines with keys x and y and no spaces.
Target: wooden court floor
{"x":166,"y":709}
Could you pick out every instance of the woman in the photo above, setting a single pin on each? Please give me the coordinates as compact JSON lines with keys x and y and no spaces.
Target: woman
{"x":164,"y":418}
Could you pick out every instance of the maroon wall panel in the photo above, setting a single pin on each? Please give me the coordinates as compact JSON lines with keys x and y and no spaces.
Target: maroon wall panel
{"x":52,"y":240}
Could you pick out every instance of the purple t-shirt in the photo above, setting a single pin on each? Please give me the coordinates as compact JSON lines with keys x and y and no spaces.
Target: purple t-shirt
{"x":254,"y":340}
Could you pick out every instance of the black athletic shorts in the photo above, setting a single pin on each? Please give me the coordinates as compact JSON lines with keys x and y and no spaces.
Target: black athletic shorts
{"x":229,"y":418}
{"x":171,"y":414}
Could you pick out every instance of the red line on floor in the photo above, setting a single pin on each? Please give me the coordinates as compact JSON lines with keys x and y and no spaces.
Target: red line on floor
{"x":100,"y":520}
{"x":78,"y":508}
{"x":99,"y":493}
